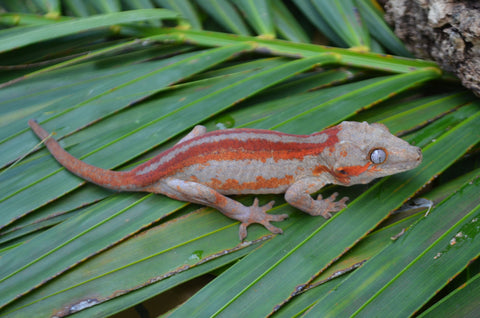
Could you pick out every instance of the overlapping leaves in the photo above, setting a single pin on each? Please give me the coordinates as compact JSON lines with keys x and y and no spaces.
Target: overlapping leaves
{"x":69,"y":247}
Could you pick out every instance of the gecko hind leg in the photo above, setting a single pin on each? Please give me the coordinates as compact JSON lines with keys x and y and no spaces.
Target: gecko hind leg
{"x":196,"y":131}
{"x":201,"y":194}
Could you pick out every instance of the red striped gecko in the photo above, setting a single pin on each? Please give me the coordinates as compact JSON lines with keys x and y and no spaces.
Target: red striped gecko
{"x":204,"y":167}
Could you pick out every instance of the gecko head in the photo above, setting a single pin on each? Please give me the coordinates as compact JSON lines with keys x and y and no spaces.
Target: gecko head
{"x":368,"y":151}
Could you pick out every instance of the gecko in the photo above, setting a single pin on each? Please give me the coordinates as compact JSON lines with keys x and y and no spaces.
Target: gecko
{"x":206,"y":167}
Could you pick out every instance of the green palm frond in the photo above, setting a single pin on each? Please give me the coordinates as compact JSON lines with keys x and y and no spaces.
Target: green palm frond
{"x":118,"y":87}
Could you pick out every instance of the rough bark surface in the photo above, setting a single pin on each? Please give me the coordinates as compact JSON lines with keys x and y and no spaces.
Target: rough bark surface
{"x":446,"y":31}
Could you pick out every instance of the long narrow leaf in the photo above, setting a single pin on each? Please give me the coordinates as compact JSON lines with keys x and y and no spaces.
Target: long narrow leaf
{"x":463,"y":302}
{"x":309,"y":10}
{"x":345,"y":20}
{"x":226,"y":15}
{"x":286,"y":24}
{"x":73,"y":241}
{"x":276,"y":47}
{"x":149,"y":258}
{"x":186,"y":10}
{"x":380,"y":30}
{"x":259,"y":15}
{"x":45,"y":32}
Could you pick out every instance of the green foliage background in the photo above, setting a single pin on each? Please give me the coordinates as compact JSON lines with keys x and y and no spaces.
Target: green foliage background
{"x":120,"y":81}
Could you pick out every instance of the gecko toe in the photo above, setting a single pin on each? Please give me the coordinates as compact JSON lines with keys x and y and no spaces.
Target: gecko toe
{"x":269,"y":205}
{"x":272,"y":228}
{"x":333,"y":196}
{"x":242,"y":231}
{"x":265,"y":219}
{"x":341,"y":204}
{"x":277,"y":217}
{"x":325,"y":206}
{"x":343,"y":201}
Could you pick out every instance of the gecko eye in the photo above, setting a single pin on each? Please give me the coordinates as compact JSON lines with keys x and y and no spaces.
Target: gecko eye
{"x":378,"y":156}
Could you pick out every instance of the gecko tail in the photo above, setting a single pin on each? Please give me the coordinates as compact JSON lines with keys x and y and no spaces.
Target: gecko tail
{"x":115,"y":180}
{"x":39,"y":131}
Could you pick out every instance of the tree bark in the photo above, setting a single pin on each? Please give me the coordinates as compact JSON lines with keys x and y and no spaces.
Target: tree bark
{"x":446,"y":31}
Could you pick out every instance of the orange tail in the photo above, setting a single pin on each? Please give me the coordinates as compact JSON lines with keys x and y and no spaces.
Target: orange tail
{"x":116,"y":180}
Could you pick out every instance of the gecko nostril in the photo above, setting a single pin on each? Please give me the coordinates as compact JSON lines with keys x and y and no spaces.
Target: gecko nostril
{"x":419,"y":153}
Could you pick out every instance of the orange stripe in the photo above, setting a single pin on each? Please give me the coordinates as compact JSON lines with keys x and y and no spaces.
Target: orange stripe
{"x":233,"y":150}
{"x":260,"y":183}
{"x":356,"y":170}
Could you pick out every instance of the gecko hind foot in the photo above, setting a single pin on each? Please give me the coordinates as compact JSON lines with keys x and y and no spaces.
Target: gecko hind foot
{"x":257,"y":215}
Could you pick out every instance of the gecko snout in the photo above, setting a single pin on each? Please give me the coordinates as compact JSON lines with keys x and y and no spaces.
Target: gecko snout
{"x":419,"y":155}
{"x":416,"y":157}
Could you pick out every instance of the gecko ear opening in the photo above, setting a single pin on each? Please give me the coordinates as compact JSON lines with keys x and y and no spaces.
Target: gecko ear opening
{"x":378,"y":155}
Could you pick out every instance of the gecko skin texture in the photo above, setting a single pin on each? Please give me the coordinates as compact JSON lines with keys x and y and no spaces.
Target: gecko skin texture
{"x":204,"y":167}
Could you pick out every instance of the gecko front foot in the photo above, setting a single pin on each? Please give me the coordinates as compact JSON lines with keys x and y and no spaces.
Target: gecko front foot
{"x":256,"y":214}
{"x":325,"y":206}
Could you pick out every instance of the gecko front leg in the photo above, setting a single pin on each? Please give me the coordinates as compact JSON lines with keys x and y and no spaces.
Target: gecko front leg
{"x":298,"y":195}
{"x":201,"y":194}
